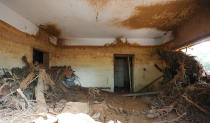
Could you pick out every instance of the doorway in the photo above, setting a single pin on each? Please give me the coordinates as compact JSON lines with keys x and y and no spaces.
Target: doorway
{"x":123,"y":73}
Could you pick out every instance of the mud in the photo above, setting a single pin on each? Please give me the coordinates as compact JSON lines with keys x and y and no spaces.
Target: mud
{"x":192,"y":31}
{"x":98,"y":4}
{"x":119,"y":43}
{"x":161,"y":16}
{"x":51,"y":29}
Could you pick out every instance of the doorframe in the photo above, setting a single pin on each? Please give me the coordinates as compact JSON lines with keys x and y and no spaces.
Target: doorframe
{"x":132,"y":70}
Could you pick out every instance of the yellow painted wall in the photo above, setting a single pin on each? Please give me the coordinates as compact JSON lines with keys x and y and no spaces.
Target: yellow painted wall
{"x":15,"y":44}
{"x":95,"y":65}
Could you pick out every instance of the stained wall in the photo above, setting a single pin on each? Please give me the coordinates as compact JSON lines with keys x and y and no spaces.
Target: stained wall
{"x":14,"y":44}
{"x":193,"y":30}
{"x":95,"y":65}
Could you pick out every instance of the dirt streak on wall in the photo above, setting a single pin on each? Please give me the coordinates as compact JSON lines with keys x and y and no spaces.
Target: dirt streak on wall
{"x":14,"y":44}
{"x":95,"y":65}
{"x":196,"y":28}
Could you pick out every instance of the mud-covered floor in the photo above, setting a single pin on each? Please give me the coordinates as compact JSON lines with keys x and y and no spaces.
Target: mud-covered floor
{"x":100,"y":105}
{"x":112,"y":106}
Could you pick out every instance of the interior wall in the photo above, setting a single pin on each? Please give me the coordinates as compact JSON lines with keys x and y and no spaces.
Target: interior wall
{"x":95,"y":65}
{"x":193,"y":30}
{"x":16,"y":20}
{"x":17,"y":38}
{"x":14,"y":44}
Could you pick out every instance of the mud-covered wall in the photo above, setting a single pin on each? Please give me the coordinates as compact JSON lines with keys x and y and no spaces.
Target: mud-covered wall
{"x":95,"y":65}
{"x":14,"y":44}
{"x":193,"y":30}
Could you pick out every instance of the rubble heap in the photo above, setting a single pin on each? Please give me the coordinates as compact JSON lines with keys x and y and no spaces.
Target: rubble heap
{"x":29,"y":89}
{"x":184,"y":89}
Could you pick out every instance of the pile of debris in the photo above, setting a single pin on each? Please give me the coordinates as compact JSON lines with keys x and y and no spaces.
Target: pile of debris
{"x":184,"y":89}
{"x":20,"y":95}
{"x":27,"y":91}
{"x":37,"y":94}
{"x":64,"y":75}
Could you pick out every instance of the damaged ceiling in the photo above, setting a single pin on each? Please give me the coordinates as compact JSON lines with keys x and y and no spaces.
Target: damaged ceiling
{"x":147,"y":22}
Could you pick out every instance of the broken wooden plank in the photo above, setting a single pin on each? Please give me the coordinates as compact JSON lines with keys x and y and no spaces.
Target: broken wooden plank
{"x":141,"y":94}
{"x":40,"y":88}
{"x":152,"y":82}
{"x":158,"y":68}
{"x":23,"y":96}
{"x":196,"y":105}
{"x":27,"y":80}
{"x":1,"y":89}
{"x":48,"y":80}
{"x":102,"y":87}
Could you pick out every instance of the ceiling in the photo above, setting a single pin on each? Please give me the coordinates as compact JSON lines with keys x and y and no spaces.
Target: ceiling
{"x":105,"y":19}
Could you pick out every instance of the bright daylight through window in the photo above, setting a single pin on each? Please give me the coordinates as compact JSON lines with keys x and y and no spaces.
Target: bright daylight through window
{"x":201,"y":52}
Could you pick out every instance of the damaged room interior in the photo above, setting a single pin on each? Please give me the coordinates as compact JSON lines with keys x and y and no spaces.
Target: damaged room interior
{"x":104,"y":61}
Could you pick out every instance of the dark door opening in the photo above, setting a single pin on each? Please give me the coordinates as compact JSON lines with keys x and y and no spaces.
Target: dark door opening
{"x":40,"y":57}
{"x":123,"y":73}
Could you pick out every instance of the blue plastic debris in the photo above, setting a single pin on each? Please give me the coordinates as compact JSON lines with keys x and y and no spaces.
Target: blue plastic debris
{"x":69,"y":82}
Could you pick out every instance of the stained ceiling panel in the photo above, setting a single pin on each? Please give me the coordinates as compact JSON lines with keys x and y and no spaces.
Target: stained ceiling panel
{"x":134,"y":19}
